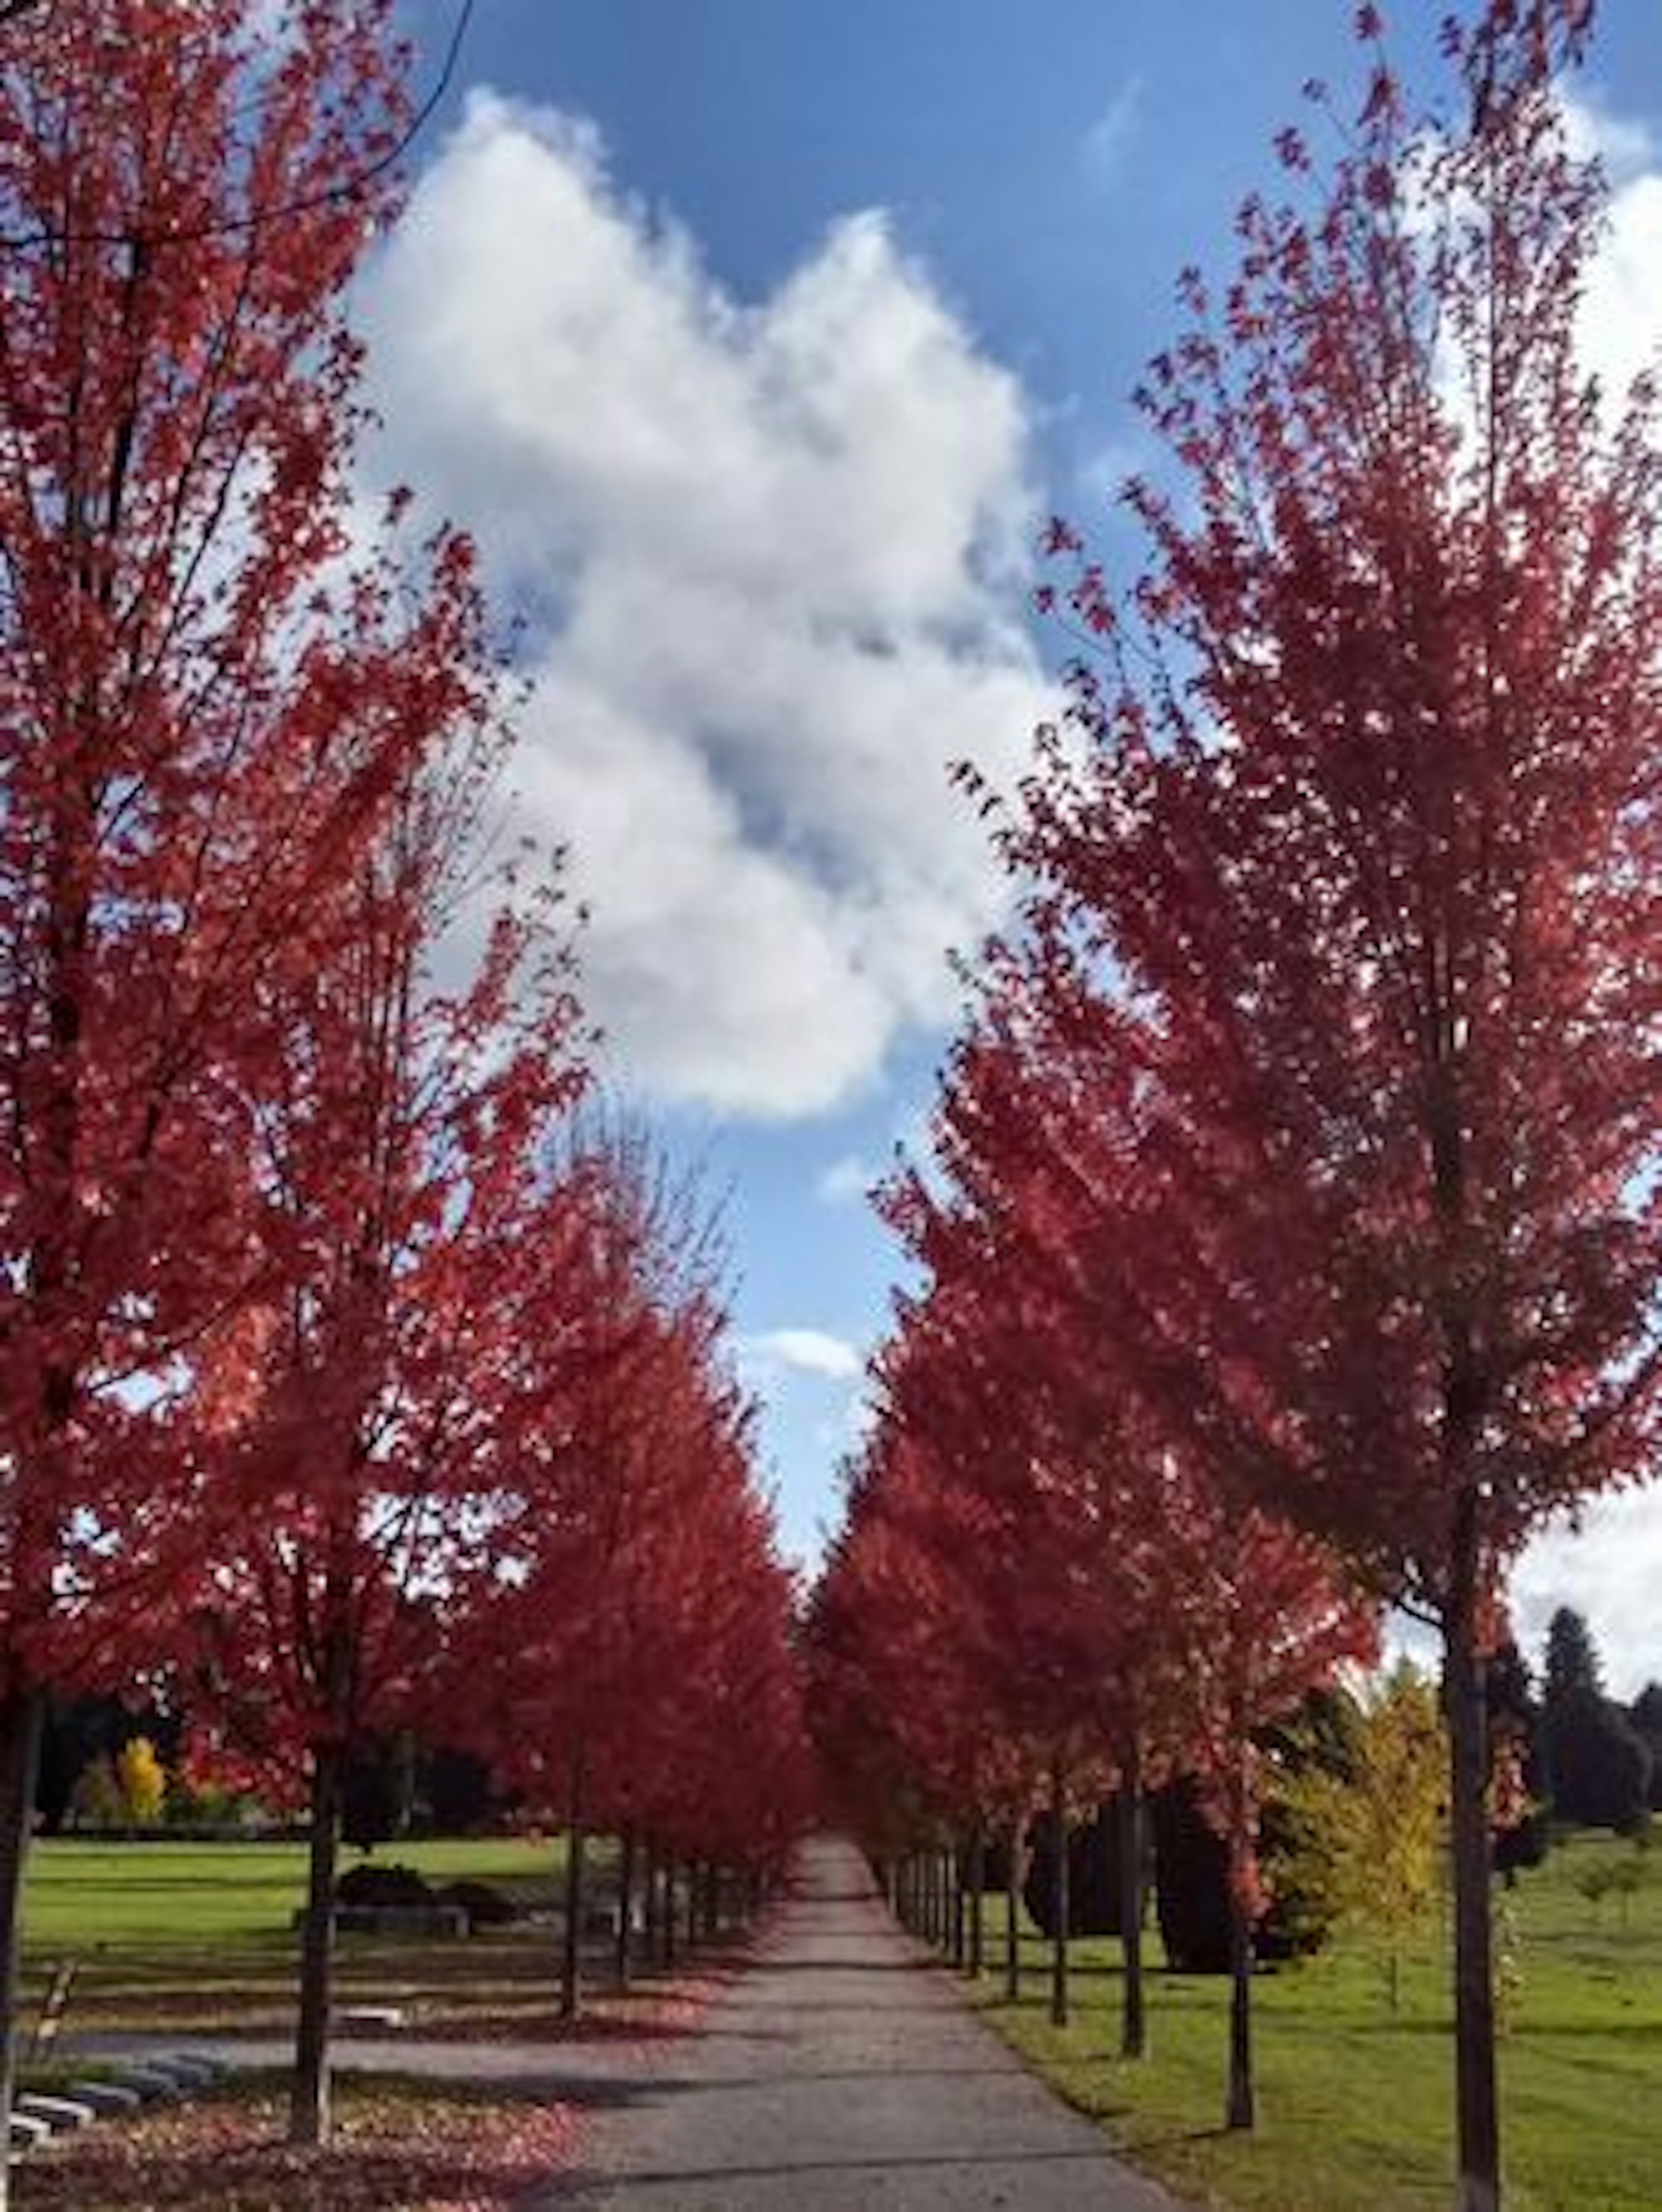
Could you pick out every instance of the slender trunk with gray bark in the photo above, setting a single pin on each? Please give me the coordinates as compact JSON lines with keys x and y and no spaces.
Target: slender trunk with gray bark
{"x":1013,"y":1916}
{"x":650,"y":1878}
{"x":1476,"y":2100}
{"x":977,"y":1903}
{"x":625,"y":1903}
{"x":571,"y":1944}
{"x":1061,"y":1905}
{"x":1134,"y":2026}
{"x":310,"y":2115}
{"x":20,"y":1717}
{"x":1242,"y":2109}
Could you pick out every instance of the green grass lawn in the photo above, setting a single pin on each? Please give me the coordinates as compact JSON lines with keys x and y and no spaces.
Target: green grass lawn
{"x":1355,"y":2102}
{"x":197,"y":1938}
{"x":86,"y":1895}
{"x":200,"y":1936}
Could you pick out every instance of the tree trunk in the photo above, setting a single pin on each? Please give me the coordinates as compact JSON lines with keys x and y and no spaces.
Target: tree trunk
{"x":1134,"y":2026}
{"x":956,"y":1901}
{"x":670,"y":1932}
{"x":1061,"y":1905}
{"x":1013,"y":1918}
{"x":1242,"y":2108}
{"x":571,"y":1945}
{"x":625,"y":1902}
{"x":21,"y":1715}
{"x":309,"y":2100}
{"x":977,"y":1903}
{"x":1476,"y":2103}
{"x":650,"y":1902}
{"x":693,"y":1905}
{"x":712,"y":1900}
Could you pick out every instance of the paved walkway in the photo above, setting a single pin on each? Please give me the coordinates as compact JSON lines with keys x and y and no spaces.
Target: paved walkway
{"x":841,"y":2073}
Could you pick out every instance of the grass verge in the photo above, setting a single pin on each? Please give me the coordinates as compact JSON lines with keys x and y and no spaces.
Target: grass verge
{"x":1356,"y":2100}
{"x":199,"y":1936}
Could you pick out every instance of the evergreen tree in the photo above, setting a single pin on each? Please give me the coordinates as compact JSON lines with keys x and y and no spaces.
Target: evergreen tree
{"x":1646,"y":1715}
{"x":1598,"y":1765}
{"x":1572,"y":1666}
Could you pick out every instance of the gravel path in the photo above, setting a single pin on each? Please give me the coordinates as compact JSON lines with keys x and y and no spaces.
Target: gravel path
{"x":843,"y":2072}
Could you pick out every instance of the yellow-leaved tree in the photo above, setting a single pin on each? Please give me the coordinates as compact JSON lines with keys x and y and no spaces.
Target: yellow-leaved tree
{"x":144,"y":1781}
{"x":1371,"y":1845}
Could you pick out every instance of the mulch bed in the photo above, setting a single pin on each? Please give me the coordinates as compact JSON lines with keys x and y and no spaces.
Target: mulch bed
{"x":399,"y":2148}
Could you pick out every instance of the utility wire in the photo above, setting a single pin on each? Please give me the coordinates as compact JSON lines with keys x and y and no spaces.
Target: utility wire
{"x":352,"y":188}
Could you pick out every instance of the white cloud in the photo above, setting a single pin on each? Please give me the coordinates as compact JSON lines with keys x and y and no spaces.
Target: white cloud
{"x":1108,"y":138}
{"x":771,"y":558}
{"x":1621,"y":322}
{"x":846,"y":1181}
{"x":1608,"y":1571}
{"x":801,"y":1351}
{"x":1611,"y":1571}
{"x":1625,"y":144}
{"x":840,"y":1439}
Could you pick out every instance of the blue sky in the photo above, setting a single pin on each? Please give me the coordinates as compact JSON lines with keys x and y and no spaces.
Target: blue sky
{"x":751,"y":337}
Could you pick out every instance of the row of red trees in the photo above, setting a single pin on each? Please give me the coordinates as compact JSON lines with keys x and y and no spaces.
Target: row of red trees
{"x":1297,"y":1180}
{"x":338,"y":1367}
{"x":1042,"y":1595}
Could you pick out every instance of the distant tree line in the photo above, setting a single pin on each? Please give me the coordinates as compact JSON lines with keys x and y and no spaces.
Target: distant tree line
{"x":111,"y":1763}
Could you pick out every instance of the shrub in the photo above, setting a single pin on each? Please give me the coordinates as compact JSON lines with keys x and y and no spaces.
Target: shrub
{"x":380,"y":1886}
{"x":486,"y":1907}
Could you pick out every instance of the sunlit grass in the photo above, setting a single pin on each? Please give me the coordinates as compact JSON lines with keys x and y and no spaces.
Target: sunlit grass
{"x":183,"y":1935}
{"x":1355,"y":2101}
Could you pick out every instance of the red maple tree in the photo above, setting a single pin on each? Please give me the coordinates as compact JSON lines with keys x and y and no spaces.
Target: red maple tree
{"x":402,"y":1148}
{"x":209,"y":699}
{"x":1354,"y":835}
{"x":636,"y":1627}
{"x":1122,"y":1552}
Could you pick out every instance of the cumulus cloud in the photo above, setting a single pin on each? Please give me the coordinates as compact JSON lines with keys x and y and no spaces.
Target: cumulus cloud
{"x":770,"y":557}
{"x":1607,"y":1571}
{"x":801,"y":1351}
{"x":1625,"y":144}
{"x":1621,"y":322}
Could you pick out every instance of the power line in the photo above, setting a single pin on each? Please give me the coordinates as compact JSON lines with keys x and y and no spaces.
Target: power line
{"x":352,"y":188}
